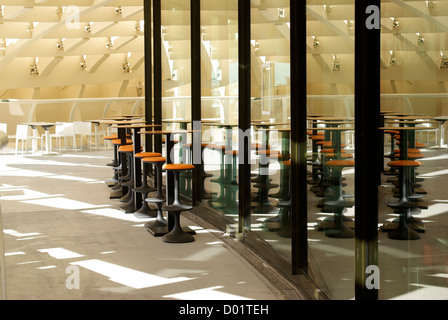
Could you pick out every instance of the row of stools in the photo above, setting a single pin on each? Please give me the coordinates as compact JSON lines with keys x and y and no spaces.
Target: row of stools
{"x":407,"y":189}
{"x":122,"y":188}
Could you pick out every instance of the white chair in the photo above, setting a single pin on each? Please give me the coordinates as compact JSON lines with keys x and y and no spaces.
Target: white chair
{"x":23,"y":135}
{"x":63,"y":130}
{"x":83,"y":129}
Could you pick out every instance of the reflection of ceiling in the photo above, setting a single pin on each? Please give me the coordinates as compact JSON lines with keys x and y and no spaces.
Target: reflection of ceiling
{"x":31,"y":29}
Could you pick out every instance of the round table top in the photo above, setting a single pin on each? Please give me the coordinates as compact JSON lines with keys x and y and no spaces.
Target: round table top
{"x":121,"y":121}
{"x":219,"y":124}
{"x":40,"y":124}
{"x":260,"y":124}
{"x":412,"y":117}
{"x":333,"y":129}
{"x":412,"y":121}
{"x":408,"y":128}
{"x":334,"y":122}
{"x":176,"y":120}
{"x":169,"y":131}
{"x":331,"y":118}
{"x":135,"y":126}
{"x":277,"y":129}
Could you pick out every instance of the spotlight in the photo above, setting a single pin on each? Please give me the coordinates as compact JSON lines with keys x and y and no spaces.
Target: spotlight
{"x":83,"y":64}
{"x":127,"y":65}
{"x":336,"y":63}
{"x":395,"y":23}
{"x":34,"y":68}
{"x":88,"y":28}
{"x":109,"y":44}
{"x":140,"y":26}
{"x":393,"y":60}
{"x":316,"y":43}
{"x":420,"y":39}
{"x":118,"y":11}
{"x":60,"y":45}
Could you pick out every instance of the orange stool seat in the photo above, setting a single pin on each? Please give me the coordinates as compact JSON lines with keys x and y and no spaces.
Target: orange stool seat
{"x":126,"y":148}
{"x":317,"y":137}
{"x":147,"y":154}
{"x":404,"y":163}
{"x":419,"y":145}
{"x":178,"y":166}
{"x":154,"y":159}
{"x":329,"y":150}
{"x":340,"y":163}
{"x":113,"y":137}
{"x":287,"y":163}
{"x":118,"y":141}
{"x":410,"y":150}
{"x":342,"y":155}
{"x":392,"y":131}
{"x":329,"y":144}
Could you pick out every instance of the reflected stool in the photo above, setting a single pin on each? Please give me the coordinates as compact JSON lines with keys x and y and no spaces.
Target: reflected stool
{"x":263,"y":205}
{"x":338,"y":229}
{"x":405,"y":204}
{"x":231,"y":184}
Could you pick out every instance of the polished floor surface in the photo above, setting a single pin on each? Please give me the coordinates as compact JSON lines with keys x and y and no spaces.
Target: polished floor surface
{"x":65,"y":239}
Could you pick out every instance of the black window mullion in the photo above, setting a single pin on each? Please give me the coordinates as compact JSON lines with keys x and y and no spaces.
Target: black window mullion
{"x":367,"y":138}
{"x":244,"y":112}
{"x":299,"y":209}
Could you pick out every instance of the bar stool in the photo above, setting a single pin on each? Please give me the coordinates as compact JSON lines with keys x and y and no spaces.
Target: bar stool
{"x":117,"y":190}
{"x":263,"y":204}
{"x":403,"y":232}
{"x":177,"y":235}
{"x":392,"y":134}
{"x":231,"y":185}
{"x":285,"y":209}
{"x":144,"y":189}
{"x":315,"y":161}
{"x":114,"y":162}
{"x":159,"y":226}
{"x":128,"y":181}
{"x":338,"y":203}
{"x":258,"y":147}
{"x":202,"y":175}
{"x":220,"y":201}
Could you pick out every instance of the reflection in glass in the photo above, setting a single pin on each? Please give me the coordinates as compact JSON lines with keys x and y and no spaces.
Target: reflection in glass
{"x":219,"y":55}
{"x":270,"y":122}
{"x":330,"y":74}
{"x":413,"y":250}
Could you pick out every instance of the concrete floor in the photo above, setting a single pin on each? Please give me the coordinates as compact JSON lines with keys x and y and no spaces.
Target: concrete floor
{"x":64,"y":239}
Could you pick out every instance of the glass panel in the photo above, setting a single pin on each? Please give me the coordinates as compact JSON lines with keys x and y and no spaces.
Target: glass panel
{"x":413,"y":251}
{"x":219,"y":54}
{"x":270,"y":123}
{"x":176,"y":81}
{"x":330,"y":73}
